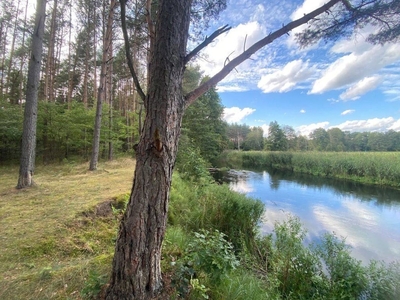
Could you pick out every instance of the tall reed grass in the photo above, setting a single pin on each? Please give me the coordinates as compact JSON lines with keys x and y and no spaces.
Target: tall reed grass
{"x":382,"y":168}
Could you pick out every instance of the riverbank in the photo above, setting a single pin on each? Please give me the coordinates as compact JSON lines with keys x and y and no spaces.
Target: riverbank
{"x":378,"y":168}
{"x":58,"y":241}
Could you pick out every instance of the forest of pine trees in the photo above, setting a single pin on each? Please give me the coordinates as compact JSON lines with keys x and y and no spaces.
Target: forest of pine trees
{"x":83,"y":65}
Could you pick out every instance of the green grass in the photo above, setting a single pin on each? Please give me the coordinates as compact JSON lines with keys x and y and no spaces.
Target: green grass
{"x":380,"y":168}
{"x":52,"y":241}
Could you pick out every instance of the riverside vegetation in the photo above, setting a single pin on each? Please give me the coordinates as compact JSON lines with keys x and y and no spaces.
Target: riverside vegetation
{"x":380,"y":168}
{"x":58,"y":241}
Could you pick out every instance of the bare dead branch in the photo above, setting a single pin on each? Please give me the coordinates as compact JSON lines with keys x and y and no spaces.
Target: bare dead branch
{"x":227,"y":58}
{"x":193,"y":95}
{"x":128,"y":52}
{"x":206,"y":42}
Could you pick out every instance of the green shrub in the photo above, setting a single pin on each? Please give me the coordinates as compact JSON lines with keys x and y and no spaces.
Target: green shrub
{"x":297,"y":269}
{"x":208,"y":257}
{"x":212,"y":253}
{"x":345,"y":277}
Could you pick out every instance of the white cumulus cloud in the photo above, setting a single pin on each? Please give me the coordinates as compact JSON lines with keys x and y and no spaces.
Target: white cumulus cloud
{"x":307,"y":129}
{"x":371,"y":125}
{"x":302,"y":111}
{"x":364,"y":60}
{"x":236,"y":114}
{"x":360,"y":88}
{"x":286,"y":78}
{"x":347,"y":112}
{"x":395,"y":126}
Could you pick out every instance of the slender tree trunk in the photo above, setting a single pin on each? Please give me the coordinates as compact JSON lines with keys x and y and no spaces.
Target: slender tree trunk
{"x":86,"y":77}
{"x":3,"y":39}
{"x":95,"y":96}
{"x":70,"y":73}
{"x":10,"y":62}
{"x":110,"y":128}
{"x":136,"y":270}
{"x":49,"y":72}
{"x":110,"y":95}
{"x":22,"y":60}
{"x":101,"y":92}
{"x":27,"y":165}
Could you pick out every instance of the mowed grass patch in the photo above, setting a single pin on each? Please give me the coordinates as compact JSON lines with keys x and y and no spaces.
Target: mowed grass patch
{"x":56,"y":233}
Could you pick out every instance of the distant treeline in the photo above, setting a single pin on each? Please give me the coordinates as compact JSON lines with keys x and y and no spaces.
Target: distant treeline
{"x":284,"y":138}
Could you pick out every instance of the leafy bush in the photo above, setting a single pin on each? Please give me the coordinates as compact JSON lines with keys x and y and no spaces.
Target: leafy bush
{"x":295,"y":266}
{"x":209,"y":257}
{"x":212,"y":253}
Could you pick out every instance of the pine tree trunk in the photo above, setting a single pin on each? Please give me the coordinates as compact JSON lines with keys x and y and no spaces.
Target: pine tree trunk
{"x":3,"y":43}
{"x":10,"y":62}
{"x":22,"y":60}
{"x":50,"y":62}
{"x":30,"y":118}
{"x":102,"y":87}
{"x":70,"y":73}
{"x":95,"y":96}
{"x":136,"y":270}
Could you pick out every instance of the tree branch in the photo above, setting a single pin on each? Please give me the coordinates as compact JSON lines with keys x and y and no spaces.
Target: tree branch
{"x":206,"y":42}
{"x":193,"y":95}
{"x":128,"y":52}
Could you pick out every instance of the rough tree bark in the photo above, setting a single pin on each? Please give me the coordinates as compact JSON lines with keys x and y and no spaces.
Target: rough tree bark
{"x":136,"y":266}
{"x":28,"y":147}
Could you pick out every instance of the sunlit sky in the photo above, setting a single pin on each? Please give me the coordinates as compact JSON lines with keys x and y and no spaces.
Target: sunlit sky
{"x":349,"y":84}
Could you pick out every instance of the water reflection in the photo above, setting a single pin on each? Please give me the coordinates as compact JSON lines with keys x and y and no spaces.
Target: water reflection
{"x":367,"y":216}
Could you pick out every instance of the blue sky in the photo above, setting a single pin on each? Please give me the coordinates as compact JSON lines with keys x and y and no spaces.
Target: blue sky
{"x":349,"y":84}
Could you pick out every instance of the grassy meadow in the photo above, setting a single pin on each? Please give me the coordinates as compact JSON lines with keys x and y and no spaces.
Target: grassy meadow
{"x":51,"y":237}
{"x":380,"y":168}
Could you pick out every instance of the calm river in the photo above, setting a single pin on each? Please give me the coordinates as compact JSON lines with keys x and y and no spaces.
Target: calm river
{"x":368,"y":217}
